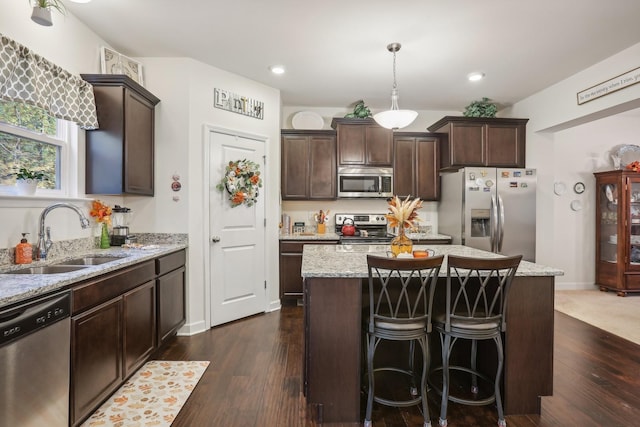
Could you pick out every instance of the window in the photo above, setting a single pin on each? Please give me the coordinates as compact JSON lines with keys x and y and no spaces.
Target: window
{"x":32,"y":139}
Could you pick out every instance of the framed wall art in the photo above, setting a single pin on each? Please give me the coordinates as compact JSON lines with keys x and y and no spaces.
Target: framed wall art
{"x":112,"y":62}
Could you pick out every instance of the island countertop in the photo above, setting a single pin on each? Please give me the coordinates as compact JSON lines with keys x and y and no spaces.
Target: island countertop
{"x":351,"y":260}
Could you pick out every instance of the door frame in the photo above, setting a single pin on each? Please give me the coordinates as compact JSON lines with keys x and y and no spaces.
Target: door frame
{"x":206,"y":250}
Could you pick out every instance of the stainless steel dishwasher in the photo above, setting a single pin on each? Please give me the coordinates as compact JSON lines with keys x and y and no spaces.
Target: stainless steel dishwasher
{"x":34,"y":363}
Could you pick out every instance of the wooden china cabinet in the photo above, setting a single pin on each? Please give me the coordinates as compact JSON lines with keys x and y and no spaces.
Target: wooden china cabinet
{"x":618,"y":231}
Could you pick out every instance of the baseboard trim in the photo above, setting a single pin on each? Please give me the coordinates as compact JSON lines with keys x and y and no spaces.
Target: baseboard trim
{"x":190,"y":329}
{"x":575,"y":286}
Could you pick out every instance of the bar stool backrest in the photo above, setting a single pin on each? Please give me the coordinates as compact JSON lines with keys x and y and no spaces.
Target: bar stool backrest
{"x":401,"y":291}
{"x":477,"y":290}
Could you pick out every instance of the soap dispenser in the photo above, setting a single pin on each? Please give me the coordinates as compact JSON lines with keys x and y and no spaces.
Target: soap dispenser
{"x":24,"y":251}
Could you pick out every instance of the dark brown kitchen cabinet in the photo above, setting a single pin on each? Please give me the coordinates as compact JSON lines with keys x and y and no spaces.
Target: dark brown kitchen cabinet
{"x":308,"y":165}
{"x":478,"y":141}
{"x":120,"y":154}
{"x":291,"y":267}
{"x":362,"y":142}
{"x":171,"y":294}
{"x":416,"y":165}
{"x":113,"y":332}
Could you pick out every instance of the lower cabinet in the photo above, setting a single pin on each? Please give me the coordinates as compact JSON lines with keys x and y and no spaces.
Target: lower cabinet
{"x":96,"y":357}
{"x":118,"y":321}
{"x":291,"y":265}
{"x":170,"y":287}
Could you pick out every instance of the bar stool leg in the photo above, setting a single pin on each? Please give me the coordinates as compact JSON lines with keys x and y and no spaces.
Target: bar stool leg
{"x":446,"y":344}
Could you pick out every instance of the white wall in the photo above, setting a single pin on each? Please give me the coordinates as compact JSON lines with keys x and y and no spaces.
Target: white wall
{"x":567,"y":142}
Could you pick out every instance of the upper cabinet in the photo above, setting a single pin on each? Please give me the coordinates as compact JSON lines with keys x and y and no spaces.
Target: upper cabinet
{"x":362,"y":142}
{"x":120,"y":154}
{"x":416,"y":165}
{"x":478,"y":141}
{"x":308,"y":165}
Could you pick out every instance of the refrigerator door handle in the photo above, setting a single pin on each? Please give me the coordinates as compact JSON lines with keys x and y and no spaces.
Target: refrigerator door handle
{"x":493,"y":223}
{"x":500,"y":223}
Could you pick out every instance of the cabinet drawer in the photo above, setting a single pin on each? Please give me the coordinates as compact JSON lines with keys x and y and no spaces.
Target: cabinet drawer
{"x":170,"y":262}
{"x":632,"y":281}
{"x":103,"y":288}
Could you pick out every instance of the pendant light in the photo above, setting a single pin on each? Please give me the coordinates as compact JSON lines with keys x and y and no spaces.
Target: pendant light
{"x":395,"y":118}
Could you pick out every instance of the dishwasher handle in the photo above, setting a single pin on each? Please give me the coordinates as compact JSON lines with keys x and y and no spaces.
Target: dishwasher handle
{"x":21,"y":320}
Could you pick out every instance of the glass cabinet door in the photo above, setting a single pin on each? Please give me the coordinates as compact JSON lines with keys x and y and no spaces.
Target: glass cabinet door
{"x":608,"y":208}
{"x":634,"y":223}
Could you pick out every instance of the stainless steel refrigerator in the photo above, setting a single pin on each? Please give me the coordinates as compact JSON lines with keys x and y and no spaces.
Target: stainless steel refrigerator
{"x":492,"y":209}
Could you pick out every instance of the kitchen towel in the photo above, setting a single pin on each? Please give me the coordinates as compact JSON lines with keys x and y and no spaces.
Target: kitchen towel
{"x":152,"y":396}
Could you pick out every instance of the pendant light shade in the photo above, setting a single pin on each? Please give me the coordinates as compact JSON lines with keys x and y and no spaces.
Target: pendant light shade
{"x":395,"y":118}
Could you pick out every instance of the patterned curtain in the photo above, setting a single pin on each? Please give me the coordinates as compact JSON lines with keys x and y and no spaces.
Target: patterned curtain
{"x":28,"y":77}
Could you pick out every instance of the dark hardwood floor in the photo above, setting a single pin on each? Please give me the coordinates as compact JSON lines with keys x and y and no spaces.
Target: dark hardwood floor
{"x":255,"y":379}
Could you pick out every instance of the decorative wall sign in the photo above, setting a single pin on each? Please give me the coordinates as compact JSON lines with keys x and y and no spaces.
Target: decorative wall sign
{"x":112,"y":62}
{"x":235,"y":103}
{"x":612,"y":85}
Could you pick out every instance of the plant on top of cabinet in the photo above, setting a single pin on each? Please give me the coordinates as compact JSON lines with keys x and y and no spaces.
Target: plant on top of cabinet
{"x":360,"y":111}
{"x":482,"y":108}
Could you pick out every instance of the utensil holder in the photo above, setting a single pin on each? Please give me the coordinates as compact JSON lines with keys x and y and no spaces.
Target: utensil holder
{"x":322,"y":228}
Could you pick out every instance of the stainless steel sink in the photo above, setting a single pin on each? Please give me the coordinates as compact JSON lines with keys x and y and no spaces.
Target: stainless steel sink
{"x":48,"y":269}
{"x":89,"y":260}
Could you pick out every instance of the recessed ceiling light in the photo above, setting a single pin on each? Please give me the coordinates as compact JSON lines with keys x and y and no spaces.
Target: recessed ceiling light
{"x":474,"y":77}
{"x":277,"y":69}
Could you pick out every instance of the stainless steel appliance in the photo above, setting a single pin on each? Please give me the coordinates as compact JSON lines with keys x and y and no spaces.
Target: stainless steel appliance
{"x":368,"y":182}
{"x":492,"y":209}
{"x":371,"y":228}
{"x":34,"y":358}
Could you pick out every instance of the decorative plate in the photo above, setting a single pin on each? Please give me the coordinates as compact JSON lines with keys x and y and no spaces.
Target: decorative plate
{"x":308,"y":120}
{"x":559,"y":188}
{"x":578,"y":188}
{"x":628,"y":154}
{"x":576,"y":205}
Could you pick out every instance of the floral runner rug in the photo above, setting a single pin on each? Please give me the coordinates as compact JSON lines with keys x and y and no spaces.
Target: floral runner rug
{"x":153,"y":396}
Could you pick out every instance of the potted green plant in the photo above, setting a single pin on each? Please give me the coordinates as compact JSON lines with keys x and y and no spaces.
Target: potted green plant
{"x":482,"y":108}
{"x":27,"y":180}
{"x":42,"y":11}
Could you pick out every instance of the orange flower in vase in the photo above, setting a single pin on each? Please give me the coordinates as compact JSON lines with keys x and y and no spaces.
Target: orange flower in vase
{"x":102,"y":214}
{"x":402,"y":214}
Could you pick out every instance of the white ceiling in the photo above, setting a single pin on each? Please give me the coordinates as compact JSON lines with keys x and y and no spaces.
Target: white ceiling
{"x":335,"y":51}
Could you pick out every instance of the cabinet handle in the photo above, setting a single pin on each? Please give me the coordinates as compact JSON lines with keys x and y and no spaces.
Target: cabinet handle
{"x":215,"y":239}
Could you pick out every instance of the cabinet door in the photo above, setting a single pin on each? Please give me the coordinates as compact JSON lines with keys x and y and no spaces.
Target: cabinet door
{"x":404,"y":166}
{"x":139,"y":326}
{"x":322,"y":167}
{"x":379,"y":146}
{"x":610,"y":252}
{"x":295,"y":167}
{"x":505,"y":145}
{"x":96,"y":357}
{"x":467,"y":144}
{"x":351,"y":144}
{"x":427,"y":169}
{"x":138,"y":144}
{"x":290,"y":278}
{"x":171,"y":303}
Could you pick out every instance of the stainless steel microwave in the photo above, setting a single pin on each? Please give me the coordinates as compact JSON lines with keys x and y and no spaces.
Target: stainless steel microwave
{"x":366,"y":182}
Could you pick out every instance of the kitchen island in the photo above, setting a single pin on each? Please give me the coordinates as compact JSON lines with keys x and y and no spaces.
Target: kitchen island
{"x":333,"y":295}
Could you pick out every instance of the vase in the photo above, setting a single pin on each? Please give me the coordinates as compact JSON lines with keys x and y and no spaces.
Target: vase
{"x":104,"y":237}
{"x":401,"y":244}
{"x":26,"y":187}
{"x":42,"y":16}
{"x":321,"y":228}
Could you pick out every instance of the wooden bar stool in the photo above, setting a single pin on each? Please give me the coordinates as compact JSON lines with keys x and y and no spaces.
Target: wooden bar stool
{"x":400,"y":300}
{"x":476,"y":299}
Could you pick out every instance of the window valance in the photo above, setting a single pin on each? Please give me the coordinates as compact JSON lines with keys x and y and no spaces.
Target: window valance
{"x":30,"y":78}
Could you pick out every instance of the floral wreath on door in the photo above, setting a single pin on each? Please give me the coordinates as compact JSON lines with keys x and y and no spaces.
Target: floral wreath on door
{"x":241,"y":181}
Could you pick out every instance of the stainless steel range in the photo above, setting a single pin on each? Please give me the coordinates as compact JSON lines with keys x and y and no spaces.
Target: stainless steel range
{"x":371,"y":228}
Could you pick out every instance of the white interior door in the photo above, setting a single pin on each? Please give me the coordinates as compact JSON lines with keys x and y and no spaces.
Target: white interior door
{"x":237,"y":240}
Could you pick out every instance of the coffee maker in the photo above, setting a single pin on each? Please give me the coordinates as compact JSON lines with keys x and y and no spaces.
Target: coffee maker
{"x":121,"y":217}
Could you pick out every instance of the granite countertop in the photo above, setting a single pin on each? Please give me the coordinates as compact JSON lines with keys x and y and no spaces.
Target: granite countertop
{"x":17,"y":287}
{"x":335,"y":236}
{"x":351,"y":260}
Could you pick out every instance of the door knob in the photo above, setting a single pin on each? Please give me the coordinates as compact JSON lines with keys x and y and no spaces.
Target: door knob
{"x":215,"y":239}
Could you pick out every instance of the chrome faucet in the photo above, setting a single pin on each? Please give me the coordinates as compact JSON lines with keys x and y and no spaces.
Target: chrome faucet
{"x":45,"y":245}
